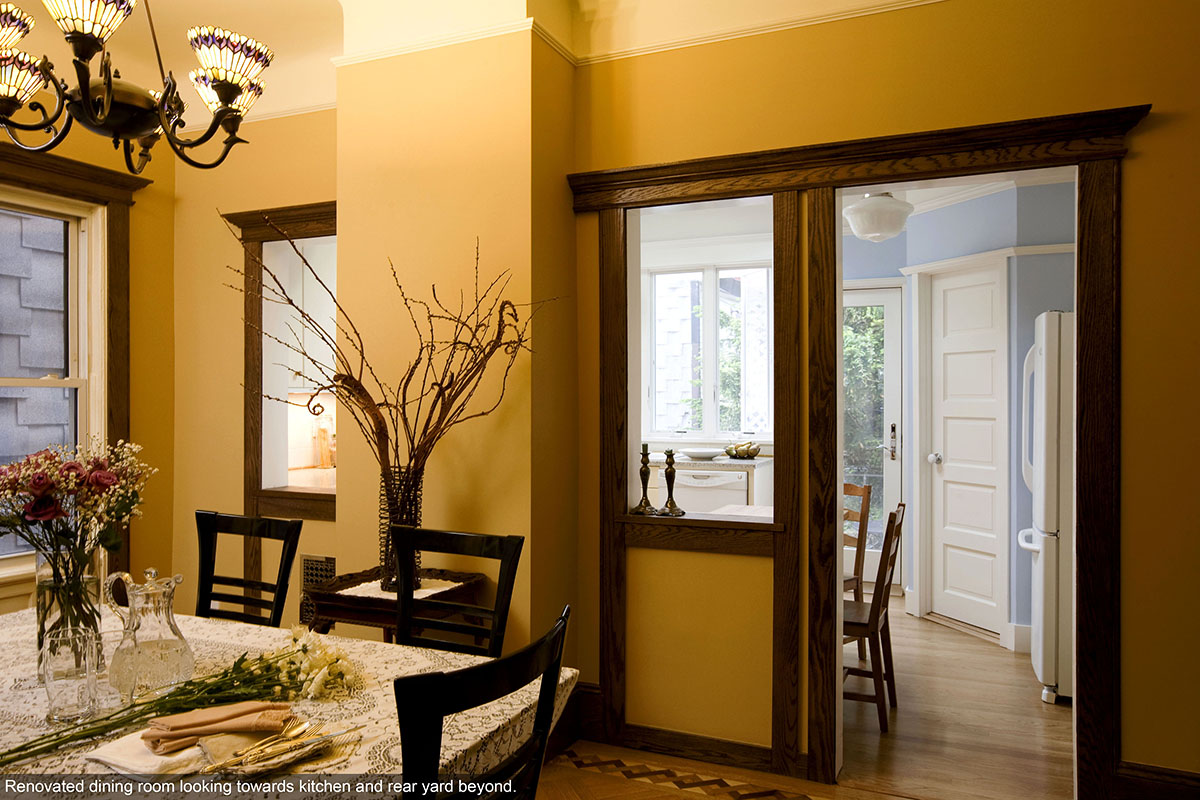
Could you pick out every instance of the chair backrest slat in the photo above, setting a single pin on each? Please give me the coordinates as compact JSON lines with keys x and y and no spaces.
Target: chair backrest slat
{"x":887,"y":564}
{"x":209,"y":525}
{"x":862,"y":516}
{"x":423,"y":701}
{"x":416,"y":617}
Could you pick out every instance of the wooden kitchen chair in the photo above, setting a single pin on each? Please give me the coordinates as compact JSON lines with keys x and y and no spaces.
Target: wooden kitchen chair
{"x":426,"y":623}
{"x":854,"y":582}
{"x":209,"y":524}
{"x":869,"y":621}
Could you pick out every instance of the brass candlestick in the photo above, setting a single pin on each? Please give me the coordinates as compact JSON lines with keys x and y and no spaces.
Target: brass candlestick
{"x":643,"y":508}
{"x":671,"y":509}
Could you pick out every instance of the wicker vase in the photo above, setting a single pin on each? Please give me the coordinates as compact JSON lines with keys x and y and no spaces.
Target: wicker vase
{"x":399,"y":504}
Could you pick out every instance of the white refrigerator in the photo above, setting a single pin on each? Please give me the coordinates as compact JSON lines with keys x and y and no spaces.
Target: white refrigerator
{"x":1048,"y":467}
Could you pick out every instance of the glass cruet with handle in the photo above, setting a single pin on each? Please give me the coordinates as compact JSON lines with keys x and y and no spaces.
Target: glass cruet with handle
{"x":153,"y":654}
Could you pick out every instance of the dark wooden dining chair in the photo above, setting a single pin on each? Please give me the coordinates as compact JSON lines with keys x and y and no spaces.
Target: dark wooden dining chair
{"x":861,"y":515}
{"x":423,"y":702}
{"x":870,"y":621}
{"x":209,"y":525}
{"x":425,"y":623}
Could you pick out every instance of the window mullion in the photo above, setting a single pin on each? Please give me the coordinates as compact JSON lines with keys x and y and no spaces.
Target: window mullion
{"x":709,"y":324}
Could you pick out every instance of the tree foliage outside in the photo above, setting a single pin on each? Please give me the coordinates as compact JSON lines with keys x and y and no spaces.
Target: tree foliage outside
{"x":862,"y":359}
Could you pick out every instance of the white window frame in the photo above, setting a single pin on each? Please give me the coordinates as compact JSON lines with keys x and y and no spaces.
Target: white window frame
{"x":709,"y":348}
{"x":87,"y":336}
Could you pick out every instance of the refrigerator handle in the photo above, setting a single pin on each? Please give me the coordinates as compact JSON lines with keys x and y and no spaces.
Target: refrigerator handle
{"x":1026,"y":414}
{"x":1026,"y":541}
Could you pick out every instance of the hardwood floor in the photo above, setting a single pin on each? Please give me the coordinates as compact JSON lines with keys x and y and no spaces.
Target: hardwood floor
{"x":970,"y":723}
{"x":970,"y":726}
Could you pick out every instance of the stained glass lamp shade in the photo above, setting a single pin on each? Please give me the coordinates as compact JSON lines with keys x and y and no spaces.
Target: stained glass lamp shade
{"x":229,"y":57}
{"x":203,"y":82}
{"x":20,"y":80}
{"x":98,"y":19}
{"x":14,"y":24}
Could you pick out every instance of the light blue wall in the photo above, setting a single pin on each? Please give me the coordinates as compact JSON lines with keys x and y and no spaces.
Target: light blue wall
{"x":1029,"y":215}
{"x":976,"y":226}
{"x":1035,"y":284}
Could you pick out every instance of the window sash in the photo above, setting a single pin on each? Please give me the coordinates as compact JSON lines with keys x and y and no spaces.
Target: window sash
{"x":710,"y":351}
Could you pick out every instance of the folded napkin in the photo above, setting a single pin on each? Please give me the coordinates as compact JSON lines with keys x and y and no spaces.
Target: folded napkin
{"x":128,"y":755}
{"x":177,"y":731}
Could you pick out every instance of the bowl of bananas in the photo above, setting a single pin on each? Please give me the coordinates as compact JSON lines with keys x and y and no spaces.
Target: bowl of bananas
{"x":742,"y":450}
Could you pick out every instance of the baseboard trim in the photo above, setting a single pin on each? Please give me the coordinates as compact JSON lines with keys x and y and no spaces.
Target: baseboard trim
{"x":1147,"y":781}
{"x":698,"y":748}
{"x":1017,"y":637}
{"x":581,"y":719}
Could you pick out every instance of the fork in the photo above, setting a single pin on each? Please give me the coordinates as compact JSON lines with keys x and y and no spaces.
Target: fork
{"x":293,"y":727}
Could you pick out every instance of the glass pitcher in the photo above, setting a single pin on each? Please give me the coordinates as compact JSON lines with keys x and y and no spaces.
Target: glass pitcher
{"x":152,"y":655}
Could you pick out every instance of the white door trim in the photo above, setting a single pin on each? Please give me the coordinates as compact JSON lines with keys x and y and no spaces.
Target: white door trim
{"x":921,"y":489}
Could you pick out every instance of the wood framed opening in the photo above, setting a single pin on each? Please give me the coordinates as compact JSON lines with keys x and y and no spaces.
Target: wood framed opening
{"x":255,"y":228}
{"x":806,"y":536}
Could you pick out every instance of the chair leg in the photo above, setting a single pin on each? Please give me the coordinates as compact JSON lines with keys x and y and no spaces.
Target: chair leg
{"x":862,"y":650}
{"x":889,"y":671}
{"x":877,"y":676}
{"x":858,"y":598}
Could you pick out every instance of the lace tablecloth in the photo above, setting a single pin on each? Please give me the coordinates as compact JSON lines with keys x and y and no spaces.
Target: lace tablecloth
{"x":472,"y":742}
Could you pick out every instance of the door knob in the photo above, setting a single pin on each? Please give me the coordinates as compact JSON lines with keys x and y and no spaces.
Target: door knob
{"x":934,"y":458}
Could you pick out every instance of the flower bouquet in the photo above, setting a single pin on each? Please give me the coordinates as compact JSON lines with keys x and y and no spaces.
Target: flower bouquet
{"x":306,"y":668}
{"x":66,"y":503}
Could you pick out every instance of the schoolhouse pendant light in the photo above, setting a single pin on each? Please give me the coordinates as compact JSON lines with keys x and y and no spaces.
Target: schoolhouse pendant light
{"x":877,"y":217}
{"x":135,"y":118}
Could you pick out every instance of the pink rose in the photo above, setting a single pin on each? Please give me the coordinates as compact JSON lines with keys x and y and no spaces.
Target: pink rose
{"x":40,"y":484}
{"x":72,"y":468}
{"x":43,"y":509}
{"x":102,"y":480}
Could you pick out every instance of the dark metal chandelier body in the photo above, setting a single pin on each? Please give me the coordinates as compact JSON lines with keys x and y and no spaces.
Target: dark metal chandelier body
{"x":135,"y":118}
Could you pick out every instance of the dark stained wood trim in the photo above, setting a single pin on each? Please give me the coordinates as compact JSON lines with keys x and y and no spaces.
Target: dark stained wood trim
{"x":1098,"y":477}
{"x":1095,"y":142}
{"x":700,"y":540}
{"x":298,"y":222}
{"x":1142,"y":781}
{"x":65,"y":177}
{"x":788,"y":567}
{"x":1039,"y":142}
{"x":824,"y":534}
{"x":692,"y":521}
{"x":253,"y":229}
{"x":699,"y":748}
{"x":614,"y":448}
{"x":117,"y":358}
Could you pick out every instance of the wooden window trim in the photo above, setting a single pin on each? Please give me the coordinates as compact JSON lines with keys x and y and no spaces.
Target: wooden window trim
{"x":804,"y":181}
{"x":64,"y":177}
{"x":254,"y":229}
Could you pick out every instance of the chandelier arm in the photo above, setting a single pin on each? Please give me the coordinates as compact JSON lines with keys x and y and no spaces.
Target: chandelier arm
{"x":231,"y":140}
{"x":83,"y":75}
{"x":169,"y":127}
{"x":143,"y":158}
{"x":48,"y":121}
{"x":46,"y":146}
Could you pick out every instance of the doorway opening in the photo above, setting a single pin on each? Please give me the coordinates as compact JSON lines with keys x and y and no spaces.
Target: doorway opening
{"x":940,"y":412}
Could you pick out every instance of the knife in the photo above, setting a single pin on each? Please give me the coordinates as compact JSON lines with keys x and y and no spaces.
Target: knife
{"x":297,"y":744}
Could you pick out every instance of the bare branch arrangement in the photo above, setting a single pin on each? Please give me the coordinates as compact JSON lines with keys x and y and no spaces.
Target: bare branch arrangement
{"x":458,"y":345}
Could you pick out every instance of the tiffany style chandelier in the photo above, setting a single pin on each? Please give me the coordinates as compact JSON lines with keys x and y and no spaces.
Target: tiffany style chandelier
{"x":228,"y":82}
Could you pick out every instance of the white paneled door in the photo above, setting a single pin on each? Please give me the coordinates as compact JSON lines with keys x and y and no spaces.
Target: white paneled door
{"x":969,"y":438}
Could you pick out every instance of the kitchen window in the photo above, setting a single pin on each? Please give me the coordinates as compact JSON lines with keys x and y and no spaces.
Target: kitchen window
{"x":710,"y":352}
{"x":51,"y":386}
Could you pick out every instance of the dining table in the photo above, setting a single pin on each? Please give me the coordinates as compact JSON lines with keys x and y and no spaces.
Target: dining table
{"x":473,"y":741}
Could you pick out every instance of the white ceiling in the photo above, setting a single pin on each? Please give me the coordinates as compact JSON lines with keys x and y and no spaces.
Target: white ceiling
{"x":305,"y":35}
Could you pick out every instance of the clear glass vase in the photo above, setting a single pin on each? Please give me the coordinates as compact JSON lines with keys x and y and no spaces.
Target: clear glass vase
{"x":67,"y":595}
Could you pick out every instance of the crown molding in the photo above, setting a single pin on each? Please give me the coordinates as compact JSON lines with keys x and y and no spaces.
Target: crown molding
{"x":554,"y":43}
{"x":441,"y":41}
{"x":280,"y":114}
{"x":752,"y":30}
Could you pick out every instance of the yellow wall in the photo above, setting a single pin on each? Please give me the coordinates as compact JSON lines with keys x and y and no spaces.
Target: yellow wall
{"x":289,"y":161}
{"x":957,"y":63}
{"x":151,"y":337}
